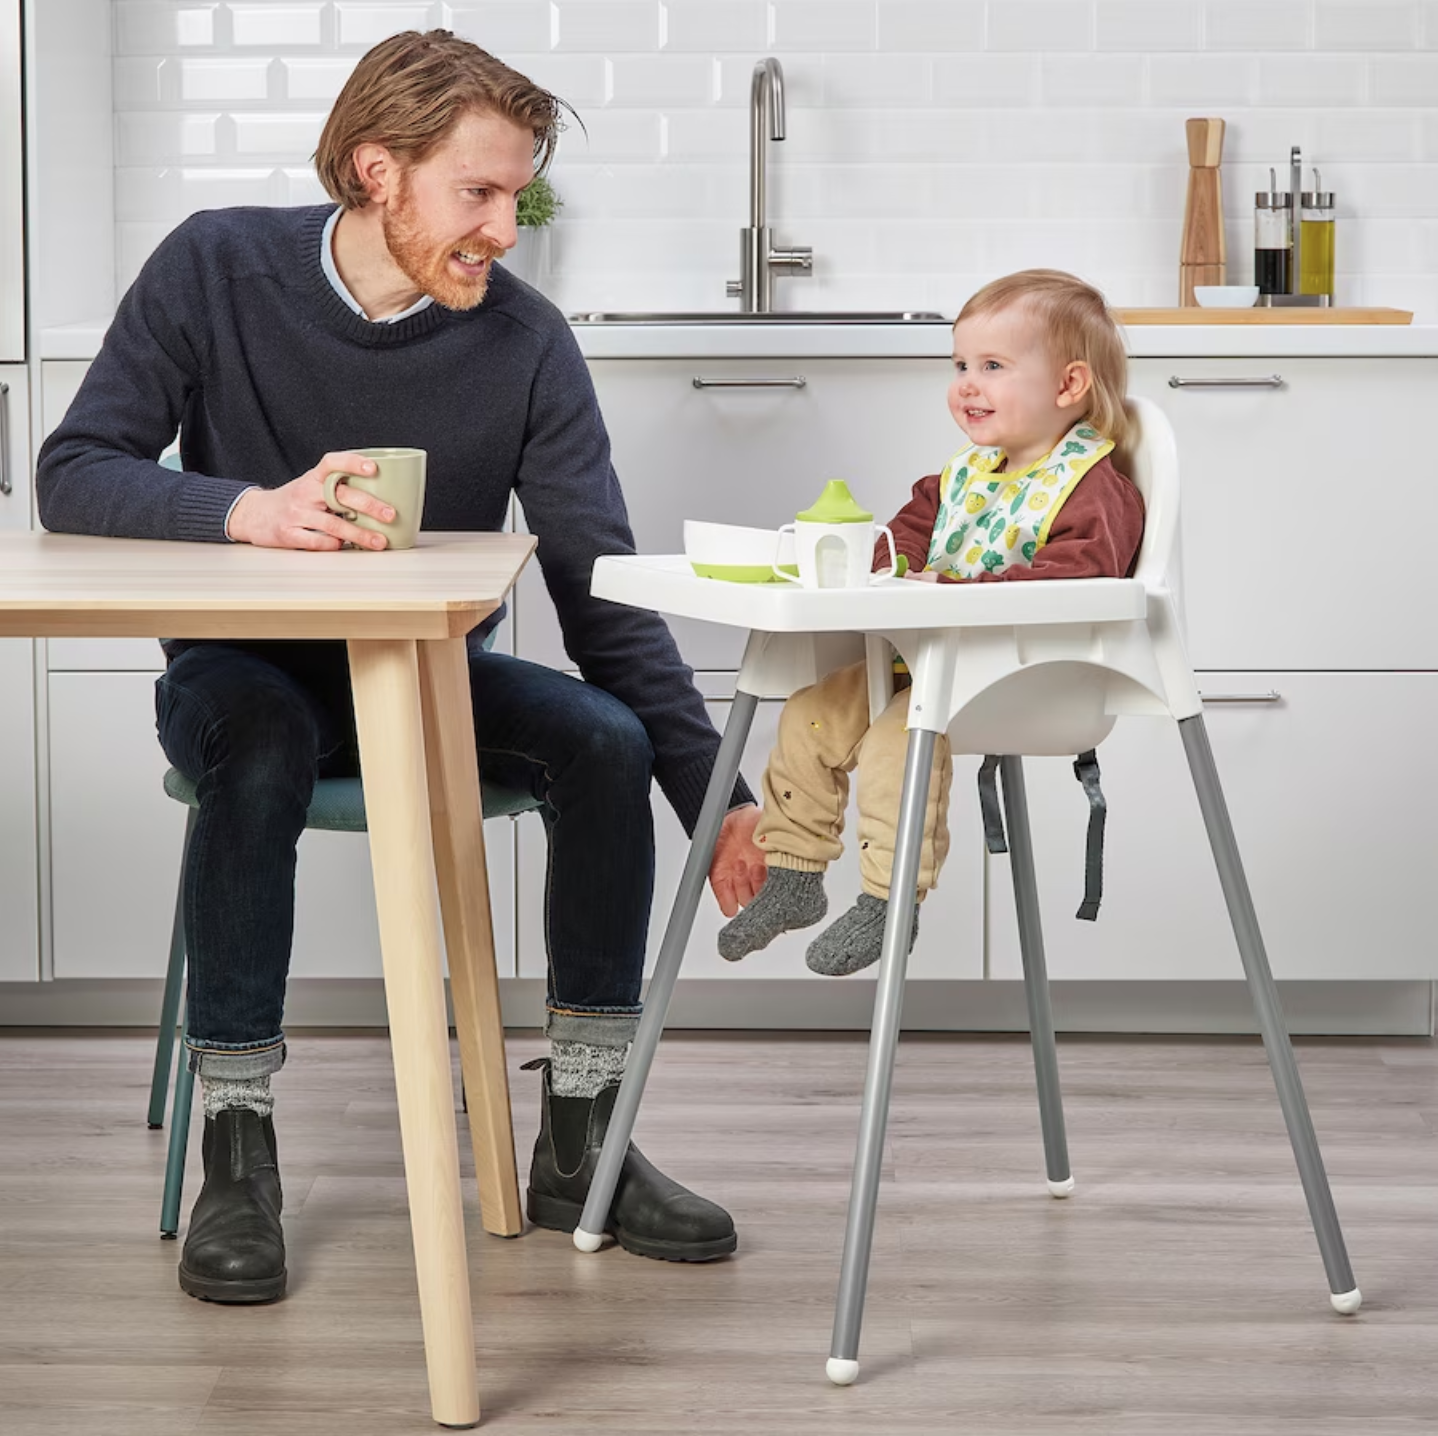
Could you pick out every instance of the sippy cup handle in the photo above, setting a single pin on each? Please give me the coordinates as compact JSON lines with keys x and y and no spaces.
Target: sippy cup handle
{"x":893,"y":556}
{"x":779,"y":572}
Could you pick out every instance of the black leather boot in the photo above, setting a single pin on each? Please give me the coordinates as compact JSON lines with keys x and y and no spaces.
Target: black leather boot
{"x":235,"y":1248}
{"x":651,"y":1214}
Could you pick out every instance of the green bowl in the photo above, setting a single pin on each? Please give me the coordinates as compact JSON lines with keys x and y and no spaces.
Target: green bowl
{"x":737,"y":572}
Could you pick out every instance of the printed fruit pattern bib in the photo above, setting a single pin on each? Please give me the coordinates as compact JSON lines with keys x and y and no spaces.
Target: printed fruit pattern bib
{"x":988,"y":522}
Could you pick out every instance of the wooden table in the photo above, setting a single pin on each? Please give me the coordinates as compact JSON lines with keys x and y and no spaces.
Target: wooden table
{"x":404,"y":616}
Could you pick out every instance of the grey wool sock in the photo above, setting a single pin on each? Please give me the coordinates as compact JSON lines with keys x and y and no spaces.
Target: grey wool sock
{"x":580,"y":1069}
{"x":854,"y":941}
{"x":223,"y":1092}
{"x":788,"y":900}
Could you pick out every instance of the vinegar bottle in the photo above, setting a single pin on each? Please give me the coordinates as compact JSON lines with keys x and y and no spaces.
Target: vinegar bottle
{"x":1272,"y":238}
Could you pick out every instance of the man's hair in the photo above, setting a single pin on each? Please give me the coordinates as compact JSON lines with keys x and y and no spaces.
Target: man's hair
{"x":1077,"y":326}
{"x":410,"y":90}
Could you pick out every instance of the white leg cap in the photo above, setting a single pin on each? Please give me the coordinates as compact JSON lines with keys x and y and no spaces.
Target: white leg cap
{"x":587,"y":1241}
{"x":841,"y":1372}
{"x":1061,"y":1189}
{"x":1345,"y":1303}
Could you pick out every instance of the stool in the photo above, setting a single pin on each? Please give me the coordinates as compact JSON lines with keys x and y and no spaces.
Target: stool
{"x":336,"y":807}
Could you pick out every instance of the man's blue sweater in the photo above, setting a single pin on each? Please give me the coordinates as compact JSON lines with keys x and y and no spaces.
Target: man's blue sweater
{"x":233,"y":335}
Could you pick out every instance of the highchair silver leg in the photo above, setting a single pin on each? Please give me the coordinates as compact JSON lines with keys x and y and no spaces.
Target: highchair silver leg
{"x":843,"y":1365}
{"x":1344,"y":1294}
{"x":590,"y":1231}
{"x":1036,"y":977}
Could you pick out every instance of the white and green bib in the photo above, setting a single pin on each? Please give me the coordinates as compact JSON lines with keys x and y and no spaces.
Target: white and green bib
{"x":990,"y":521}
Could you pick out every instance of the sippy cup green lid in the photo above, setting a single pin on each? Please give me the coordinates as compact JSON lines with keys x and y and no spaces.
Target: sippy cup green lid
{"x":836,"y":505}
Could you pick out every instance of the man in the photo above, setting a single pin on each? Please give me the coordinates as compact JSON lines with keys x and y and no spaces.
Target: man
{"x":277,"y":342}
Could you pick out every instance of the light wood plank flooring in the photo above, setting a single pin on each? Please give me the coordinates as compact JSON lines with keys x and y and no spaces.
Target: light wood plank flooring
{"x":1178,"y":1291}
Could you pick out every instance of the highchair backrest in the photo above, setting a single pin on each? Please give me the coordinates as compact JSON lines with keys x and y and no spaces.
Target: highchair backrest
{"x":1057,"y":688}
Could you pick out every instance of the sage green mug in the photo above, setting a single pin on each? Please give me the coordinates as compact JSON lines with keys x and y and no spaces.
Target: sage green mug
{"x":398,"y":479}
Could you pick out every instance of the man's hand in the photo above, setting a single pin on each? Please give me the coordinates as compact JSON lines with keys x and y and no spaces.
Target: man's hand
{"x":295,"y":516}
{"x":738,"y":870}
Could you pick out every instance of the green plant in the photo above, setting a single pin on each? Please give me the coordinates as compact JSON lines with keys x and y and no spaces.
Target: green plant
{"x":538,"y":204}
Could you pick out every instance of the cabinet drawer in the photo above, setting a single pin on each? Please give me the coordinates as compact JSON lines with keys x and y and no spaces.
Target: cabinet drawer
{"x":1328,"y":785}
{"x":752,"y":455}
{"x":1302,"y":545}
{"x":950,"y":943}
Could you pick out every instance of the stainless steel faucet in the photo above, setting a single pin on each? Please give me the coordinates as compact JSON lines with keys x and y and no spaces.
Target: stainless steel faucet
{"x":759,"y":260}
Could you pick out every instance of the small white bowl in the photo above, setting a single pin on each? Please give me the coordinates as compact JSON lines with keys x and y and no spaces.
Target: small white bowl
{"x":1226,"y":296}
{"x":732,"y":552}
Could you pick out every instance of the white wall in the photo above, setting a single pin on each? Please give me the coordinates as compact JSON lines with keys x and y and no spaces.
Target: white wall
{"x":932,"y":143}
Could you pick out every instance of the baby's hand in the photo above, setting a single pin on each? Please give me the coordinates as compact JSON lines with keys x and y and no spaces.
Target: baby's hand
{"x":924,"y":575}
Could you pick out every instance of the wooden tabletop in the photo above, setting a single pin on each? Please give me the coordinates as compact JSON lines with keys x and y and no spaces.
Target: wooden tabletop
{"x":64,"y":585}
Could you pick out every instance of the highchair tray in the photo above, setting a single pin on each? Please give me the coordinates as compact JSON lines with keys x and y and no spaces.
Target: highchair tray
{"x":668,"y":583}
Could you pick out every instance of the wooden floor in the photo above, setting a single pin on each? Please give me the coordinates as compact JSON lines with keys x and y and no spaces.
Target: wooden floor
{"x":1178,"y":1291}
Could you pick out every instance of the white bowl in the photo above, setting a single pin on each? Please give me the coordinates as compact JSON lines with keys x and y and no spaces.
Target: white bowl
{"x":732,"y":552}
{"x":1226,"y":296}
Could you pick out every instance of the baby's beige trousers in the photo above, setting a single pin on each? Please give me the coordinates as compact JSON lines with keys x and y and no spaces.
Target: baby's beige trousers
{"x":824,"y":735}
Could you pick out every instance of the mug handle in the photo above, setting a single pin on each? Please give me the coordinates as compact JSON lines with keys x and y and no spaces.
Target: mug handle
{"x":332,"y":483}
{"x":893,"y":557}
{"x":779,"y":572}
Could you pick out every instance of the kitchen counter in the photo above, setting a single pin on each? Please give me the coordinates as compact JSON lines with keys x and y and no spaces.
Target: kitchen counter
{"x":919,"y":341}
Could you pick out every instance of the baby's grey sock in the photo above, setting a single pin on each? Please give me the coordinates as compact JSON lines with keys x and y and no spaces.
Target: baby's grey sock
{"x":789,"y":899}
{"x":854,"y":941}
{"x":580,"y":1069}
{"x":251,"y":1092}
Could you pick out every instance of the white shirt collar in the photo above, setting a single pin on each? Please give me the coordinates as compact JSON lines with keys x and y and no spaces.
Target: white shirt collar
{"x":327,"y":263}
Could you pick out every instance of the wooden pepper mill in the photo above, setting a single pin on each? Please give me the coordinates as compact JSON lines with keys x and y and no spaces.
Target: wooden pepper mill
{"x":1203,"y":259}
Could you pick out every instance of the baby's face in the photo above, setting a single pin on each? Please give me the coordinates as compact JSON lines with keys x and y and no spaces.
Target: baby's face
{"x":1006,"y":386}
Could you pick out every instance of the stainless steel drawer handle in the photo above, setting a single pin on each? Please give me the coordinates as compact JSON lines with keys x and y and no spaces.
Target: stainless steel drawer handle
{"x":1272,"y":696}
{"x":6,"y":487}
{"x":798,"y":381}
{"x":1260,"y":381}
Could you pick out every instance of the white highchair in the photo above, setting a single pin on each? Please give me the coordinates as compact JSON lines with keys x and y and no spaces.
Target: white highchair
{"x":1003,"y":669}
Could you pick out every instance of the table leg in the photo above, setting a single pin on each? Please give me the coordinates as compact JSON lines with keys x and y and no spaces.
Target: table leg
{"x":385,"y":676}
{"x":456,"y":817}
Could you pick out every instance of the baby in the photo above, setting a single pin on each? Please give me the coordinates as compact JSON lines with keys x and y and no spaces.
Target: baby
{"x":1038,"y":388}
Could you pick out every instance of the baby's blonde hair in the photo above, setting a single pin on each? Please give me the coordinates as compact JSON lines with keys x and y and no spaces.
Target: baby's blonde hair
{"x":1078,"y":327}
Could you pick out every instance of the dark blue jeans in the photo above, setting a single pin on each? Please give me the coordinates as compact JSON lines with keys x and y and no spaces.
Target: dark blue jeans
{"x":255,"y":724}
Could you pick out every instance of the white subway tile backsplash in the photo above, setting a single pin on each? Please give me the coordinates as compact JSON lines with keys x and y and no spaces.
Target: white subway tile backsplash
{"x":1273,"y":25}
{"x":824,"y":25}
{"x":1206,"y":82}
{"x":504,"y":27}
{"x":1092,"y":81}
{"x":277,"y":26}
{"x":277,"y":134}
{"x":928,"y":25}
{"x":607,"y":27}
{"x":318,"y":80}
{"x":716,"y":25}
{"x":1146,"y":26}
{"x":1365,"y":25}
{"x":1404,"y":80}
{"x":1313,"y":81}
{"x":875,"y":80}
{"x":146,"y":27}
{"x":997,"y":81}
{"x":931,"y":143}
{"x":233,"y":78}
{"x":1040,"y":25}
{"x":362,"y":24}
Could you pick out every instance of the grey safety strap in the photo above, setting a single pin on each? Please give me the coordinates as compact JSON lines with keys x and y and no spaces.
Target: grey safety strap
{"x":1086,"y":771}
{"x":994,"y":838}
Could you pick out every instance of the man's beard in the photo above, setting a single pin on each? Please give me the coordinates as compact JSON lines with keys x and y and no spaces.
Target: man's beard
{"x":425,"y":263}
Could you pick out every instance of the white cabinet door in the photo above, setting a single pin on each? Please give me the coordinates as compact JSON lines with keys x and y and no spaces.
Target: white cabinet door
{"x":752,"y":456}
{"x":19,"y":877}
{"x":12,"y":194}
{"x":1285,"y":562}
{"x":15,"y":485}
{"x":1328,"y":788}
{"x":116,"y":841}
{"x":950,"y":942}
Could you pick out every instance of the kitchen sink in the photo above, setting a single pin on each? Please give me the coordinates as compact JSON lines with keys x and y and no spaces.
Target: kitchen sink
{"x":793,"y":316}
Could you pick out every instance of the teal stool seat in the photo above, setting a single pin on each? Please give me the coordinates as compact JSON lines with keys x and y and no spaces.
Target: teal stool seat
{"x":336,"y":807}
